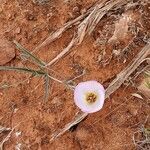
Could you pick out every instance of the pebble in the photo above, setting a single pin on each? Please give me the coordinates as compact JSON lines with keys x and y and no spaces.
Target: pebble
{"x":18,"y":30}
{"x":7,"y":51}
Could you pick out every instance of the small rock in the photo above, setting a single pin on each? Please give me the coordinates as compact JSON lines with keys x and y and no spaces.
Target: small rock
{"x":116,"y":52}
{"x":15,"y":110}
{"x":83,"y":11}
{"x":18,"y":146}
{"x":18,"y":133}
{"x":56,"y":101}
{"x":76,"y":9}
{"x":7,"y":51}
{"x":50,"y":15}
{"x":18,"y":30}
{"x":9,"y":16}
{"x":134,"y":111}
{"x":30,"y":16}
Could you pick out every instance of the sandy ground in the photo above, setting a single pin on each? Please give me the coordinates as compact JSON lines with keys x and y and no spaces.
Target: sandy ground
{"x":99,"y":56}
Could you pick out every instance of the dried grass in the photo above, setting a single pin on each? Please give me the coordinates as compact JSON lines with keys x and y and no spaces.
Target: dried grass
{"x":58,"y":33}
{"x":88,"y":25}
{"x":141,"y":138}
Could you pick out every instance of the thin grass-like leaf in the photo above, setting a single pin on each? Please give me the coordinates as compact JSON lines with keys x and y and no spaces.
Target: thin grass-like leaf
{"x":147,"y":84}
{"x":47,"y":82}
{"x":147,"y":79}
{"x":28,"y":54}
{"x":34,"y":72}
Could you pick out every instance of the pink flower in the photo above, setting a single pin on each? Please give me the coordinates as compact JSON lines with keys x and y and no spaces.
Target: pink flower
{"x":89,"y":96}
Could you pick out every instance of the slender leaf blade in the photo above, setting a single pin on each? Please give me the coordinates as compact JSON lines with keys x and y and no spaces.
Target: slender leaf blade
{"x":29,"y":54}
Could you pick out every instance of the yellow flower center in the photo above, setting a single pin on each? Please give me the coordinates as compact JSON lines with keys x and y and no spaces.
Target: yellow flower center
{"x":91,"y":97}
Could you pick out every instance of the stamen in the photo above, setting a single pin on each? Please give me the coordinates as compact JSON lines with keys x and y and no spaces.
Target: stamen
{"x":91,"y":97}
